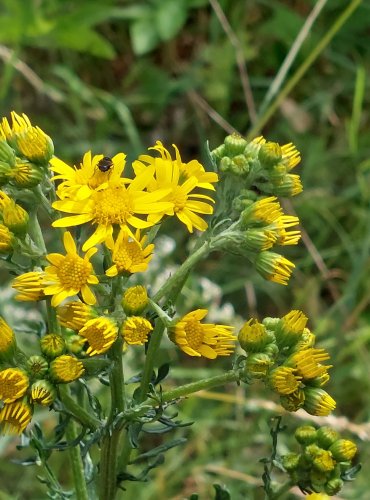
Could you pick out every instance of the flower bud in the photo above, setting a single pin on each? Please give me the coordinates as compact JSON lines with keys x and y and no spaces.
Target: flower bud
{"x":257,"y":365}
{"x":13,"y":384}
{"x":253,"y":336}
{"x":334,"y":486}
{"x":277,"y":174}
{"x":134,"y":300}
{"x":270,"y":154}
{"x":259,"y":240}
{"x":52,"y":345}
{"x":6,"y":240}
{"x":289,"y":185}
{"x":274,"y":267}
{"x":5,"y":169}
{"x":284,"y":380}
{"x":34,"y":145}
{"x":65,"y":369}
{"x":323,"y":461}
{"x":15,"y":218}
{"x":235,"y":144}
{"x":290,"y":328}
{"x":326,"y":436}
{"x":37,"y":366}
{"x":25,"y":174}
{"x":318,"y":402}
{"x":290,"y":461}
{"x":271,"y":349}
{"x":75,"y":344}
{"x":75,"y":314}
{"x":293,"y":402}
{"x":343,"y":450}
{"x":305,"y":434}
{"x":271,"y":323}
{"x":43,"y":393}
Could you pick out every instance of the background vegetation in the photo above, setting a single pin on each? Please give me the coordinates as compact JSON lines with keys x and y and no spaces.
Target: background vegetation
{"x":116,"y":76}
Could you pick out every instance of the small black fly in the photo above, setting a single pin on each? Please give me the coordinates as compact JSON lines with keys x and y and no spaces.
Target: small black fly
{"x":105,"y":164}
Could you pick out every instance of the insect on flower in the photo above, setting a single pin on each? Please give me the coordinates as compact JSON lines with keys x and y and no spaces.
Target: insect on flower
{"x":105,"y":164}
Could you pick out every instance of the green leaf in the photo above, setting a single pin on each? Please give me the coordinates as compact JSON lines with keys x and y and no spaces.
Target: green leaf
{"x":170,"y":17}
{"x":144,"y":36}
{"x":82,"y":40}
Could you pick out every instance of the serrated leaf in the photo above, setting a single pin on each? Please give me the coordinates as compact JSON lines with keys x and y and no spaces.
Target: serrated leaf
{"x":144,"y":36}
{"x":169,"y":18}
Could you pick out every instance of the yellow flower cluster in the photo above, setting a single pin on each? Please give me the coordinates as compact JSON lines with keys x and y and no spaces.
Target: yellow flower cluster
{"x":282,"y":352}
{"x":96,"y":193}
{"x":322,"y":462}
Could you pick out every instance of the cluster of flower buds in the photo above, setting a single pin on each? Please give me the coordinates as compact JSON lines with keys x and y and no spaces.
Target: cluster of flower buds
{"x":282,"y":352}
{"x":29,"y":380}
{"x":26,"y":381}
{"x":266,"y":165}
{"x":323,"y":462}
{"x":25,"y":152}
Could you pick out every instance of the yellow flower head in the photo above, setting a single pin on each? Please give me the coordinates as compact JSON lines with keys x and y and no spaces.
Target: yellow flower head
{"x":343,"y":450}
{"x":114,"y":204}
{"x":180,"y":179}
{"x":15,"y":417}
{"x":7,"y":340}
{"x":66,"y":369}
{"x":6,"y":239}
{"x":318,"y":402}
{"x":100,"y":333}
{"x":201,"y":339}
{"x":30,"y":141}
{"x":135,"y":330}
{"x":264,"y":211}
{"x":70,"y":274}
{"x":274,"y":267}
{"x":13,"y":384}
{"x":289,"y":185}
{"x":317,"y":496}
{"x":294,"y":401}
{"x":129,"y":254}
{"x":43,"y":393}
{"x":78,"y":183}
{"x":308,"y":362}
{"x":323,"y":461}
{"x":284,"y":380}
{"x":290,"y":328}
{"x":134,"y":300}
{"x":30,"y":286}
{"x":74,"y":314}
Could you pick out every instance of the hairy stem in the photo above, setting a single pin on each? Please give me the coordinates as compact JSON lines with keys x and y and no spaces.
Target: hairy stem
{"x":78,"y":413}
{"x":76,"y":464}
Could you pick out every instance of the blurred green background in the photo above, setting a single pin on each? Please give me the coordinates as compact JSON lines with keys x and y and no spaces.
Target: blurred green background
{"x":118,"y":75}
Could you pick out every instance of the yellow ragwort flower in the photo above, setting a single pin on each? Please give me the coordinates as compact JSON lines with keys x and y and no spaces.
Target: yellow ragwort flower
{"x":308,"y":362}
{"x":13,"y":384}
{"x":30,"y":286}
{"x":180,"y":179}
{"x":266,"y":211}
{"x":15,"y":417}
{"x":201,"y":339}
{"x":25,"y":174}
{"x":294,"y":401}
{"x":323,"y":461}
{"x":30,"y":141}
{"x":129,"y":254}
{"x":99,"y":333}
{"x":52,"y":345}
{"x":343,"y":450}
{"x":284,"y":380}
{"x":113,"y":203}
{"x":274,"y":267}
{"x":66,"y":368}
{"x":290,"y":328}
{"x":70,"y":274}
{"x":253,"y":336}
{"x":74,"y":314}
{"x":78,"y":183}
{"x":135,"y":330}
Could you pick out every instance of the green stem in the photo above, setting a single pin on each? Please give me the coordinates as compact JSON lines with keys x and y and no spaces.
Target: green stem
{"x":76,"y":410}
{"x":53,"y":324}
{"x":110,"y":441}
{"x":35,"y":232}
{"x":76,"y":464}
{"x":182,"y":272}
{"x":341,"y":19}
